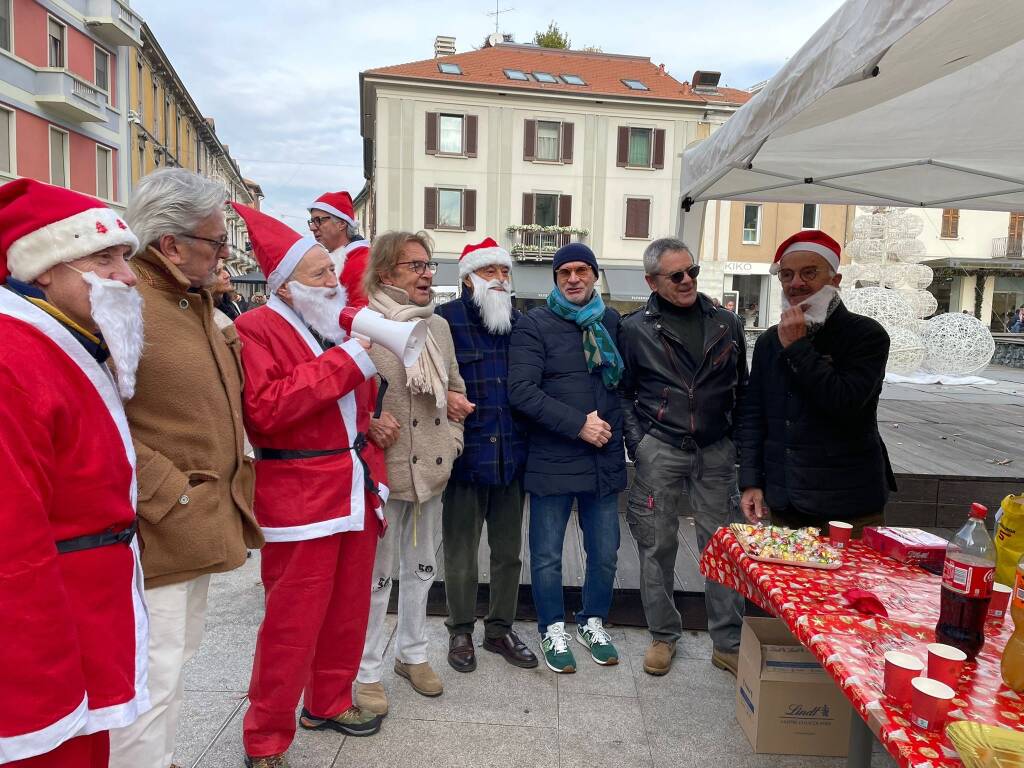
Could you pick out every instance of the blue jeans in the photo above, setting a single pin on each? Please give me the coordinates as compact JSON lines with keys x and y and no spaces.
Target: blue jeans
{"x":599,"y":519}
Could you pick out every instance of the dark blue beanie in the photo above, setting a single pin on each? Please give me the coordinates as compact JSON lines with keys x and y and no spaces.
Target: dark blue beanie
{"x":574,"y":252}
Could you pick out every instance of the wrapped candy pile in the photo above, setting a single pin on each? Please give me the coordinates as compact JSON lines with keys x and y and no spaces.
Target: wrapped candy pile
{"x":801,"y":546}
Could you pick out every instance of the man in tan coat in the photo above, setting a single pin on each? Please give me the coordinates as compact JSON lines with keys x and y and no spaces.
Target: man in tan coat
{"x":421,"y":444}
{"x":195,"y":482}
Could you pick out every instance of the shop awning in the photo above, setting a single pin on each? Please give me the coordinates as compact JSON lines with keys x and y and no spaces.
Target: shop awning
{"x":532,"y":282}
{"x":250,"y":277}
{"x":626,"y":284}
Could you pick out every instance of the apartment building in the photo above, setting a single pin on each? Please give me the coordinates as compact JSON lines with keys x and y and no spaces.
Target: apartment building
{"x":536,"y":148}
{"x":62,"y":83}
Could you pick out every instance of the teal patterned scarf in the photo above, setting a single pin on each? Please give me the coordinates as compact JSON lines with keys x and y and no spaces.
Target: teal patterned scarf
{"x":598,"y":345}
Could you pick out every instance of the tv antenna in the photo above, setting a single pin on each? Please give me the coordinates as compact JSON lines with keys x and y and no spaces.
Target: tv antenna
{"x":496,"y":13}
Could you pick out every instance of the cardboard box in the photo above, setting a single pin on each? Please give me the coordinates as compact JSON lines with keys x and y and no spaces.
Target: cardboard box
{"x":907,"y":545}
{"x":785,"y":702}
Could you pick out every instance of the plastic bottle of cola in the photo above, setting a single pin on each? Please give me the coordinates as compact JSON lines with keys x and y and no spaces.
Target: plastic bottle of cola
{"x":967,"y":577}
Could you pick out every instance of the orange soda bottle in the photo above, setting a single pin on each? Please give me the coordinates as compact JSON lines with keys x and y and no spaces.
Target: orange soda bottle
{"x":1013,"y":654}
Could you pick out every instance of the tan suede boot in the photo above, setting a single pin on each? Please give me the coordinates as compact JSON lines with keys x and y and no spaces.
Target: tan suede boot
{"x":423,"y":679}
{"x":725,"y":661}
{"x":658,"y":659}
{"x":372,"y":697}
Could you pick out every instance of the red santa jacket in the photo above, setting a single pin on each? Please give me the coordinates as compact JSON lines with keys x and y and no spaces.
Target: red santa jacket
{"x":298,"y":397}
{"x":73,"y":648}
{"x":350,"y":263}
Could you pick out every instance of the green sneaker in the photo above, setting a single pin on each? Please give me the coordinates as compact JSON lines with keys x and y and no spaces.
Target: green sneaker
{"x":593,"y":636}
{"x":555,"y":646}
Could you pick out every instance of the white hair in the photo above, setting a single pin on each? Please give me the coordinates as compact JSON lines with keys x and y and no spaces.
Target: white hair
{"x":657,"y":249}
{"x":172,"y":201}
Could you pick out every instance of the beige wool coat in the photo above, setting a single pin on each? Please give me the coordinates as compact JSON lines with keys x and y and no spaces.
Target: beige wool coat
{"x":420,"y":461}
{"x":195,"y":481}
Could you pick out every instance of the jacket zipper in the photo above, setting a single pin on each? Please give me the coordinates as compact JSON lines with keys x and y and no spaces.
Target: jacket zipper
{"x":690,"y":392}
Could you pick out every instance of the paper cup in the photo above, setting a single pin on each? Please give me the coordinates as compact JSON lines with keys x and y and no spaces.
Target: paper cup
{"x":945,"y":663}
{"x":839,"y":533}
{"x":999,"y":603}
{"x":900,"y":669}
{"x":930,"y":703}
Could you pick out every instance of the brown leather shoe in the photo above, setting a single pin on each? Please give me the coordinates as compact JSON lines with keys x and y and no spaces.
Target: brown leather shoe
{"x":461,"y":655}
{"x":513,"y":649}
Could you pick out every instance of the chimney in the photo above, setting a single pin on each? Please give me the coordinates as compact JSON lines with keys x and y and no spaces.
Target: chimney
{"x":444,"y":46}
{"x":705,"y":81}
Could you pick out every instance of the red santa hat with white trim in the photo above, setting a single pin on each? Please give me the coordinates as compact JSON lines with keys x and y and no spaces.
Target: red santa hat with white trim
{"x":337,"y":204}
{"x":278,"y":248}
{"x":42,"y":226}
{"x":809,"y":240}
{"x":483,"y":255}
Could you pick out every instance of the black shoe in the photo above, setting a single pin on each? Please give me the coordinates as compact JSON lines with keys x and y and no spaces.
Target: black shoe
{"x":461,"y":655}
{"x":352,"y":722}
{"x":513,"y":649}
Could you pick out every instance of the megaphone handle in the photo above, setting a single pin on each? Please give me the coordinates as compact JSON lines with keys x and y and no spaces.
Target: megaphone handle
{"x":378,"y":408}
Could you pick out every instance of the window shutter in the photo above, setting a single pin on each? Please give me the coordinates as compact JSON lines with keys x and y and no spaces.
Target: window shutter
{"x":565,"y":210}
{"x":567,"y":132}
{"x":1016,"y":228}
{"x":631,"y":217}
{"x":469,"y":210}
{"x":430,"y":208}
{"x":471,"y":135}
{"x":527,"y":208}
{"x":431,"y":142}
{"x":659,"y":148}
{"x":622,"y":150}
{"x":950,"y":222}
{"x":529,"y":140}
{"x":644,"y":213}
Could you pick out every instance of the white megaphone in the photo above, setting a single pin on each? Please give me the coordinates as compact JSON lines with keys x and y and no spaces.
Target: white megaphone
{"x":404,"y":340}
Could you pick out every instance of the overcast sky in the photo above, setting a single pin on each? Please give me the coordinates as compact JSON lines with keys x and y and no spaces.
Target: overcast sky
{"x":282,"y":79}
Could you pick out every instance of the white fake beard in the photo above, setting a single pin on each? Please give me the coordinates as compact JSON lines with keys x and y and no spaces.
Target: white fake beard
{"x":495,"y":306}
{"x":817,"y":307}
{"x":320,"y":309}
{"x":117,"y":310}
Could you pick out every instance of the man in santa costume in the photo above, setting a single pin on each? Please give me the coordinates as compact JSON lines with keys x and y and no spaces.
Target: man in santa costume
{"x":309,"y":396}
{"x":811,"y":410}
{"x":332,"y":220}
{"x":74,"y":639}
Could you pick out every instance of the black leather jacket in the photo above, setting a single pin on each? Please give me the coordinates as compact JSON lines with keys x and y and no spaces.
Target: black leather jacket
{"x":665,"y":395}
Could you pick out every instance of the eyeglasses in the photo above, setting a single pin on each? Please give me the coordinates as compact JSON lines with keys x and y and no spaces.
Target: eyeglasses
{"x":419,"y":267}
{"x":807,"y":275}
{"x":217,"y":244}
{"x":578,"y":272}
{"x":677,"y":277}
{"x":317,"y":221}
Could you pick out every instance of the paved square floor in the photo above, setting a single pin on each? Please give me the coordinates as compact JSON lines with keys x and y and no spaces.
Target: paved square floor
{"x":496,"y":717}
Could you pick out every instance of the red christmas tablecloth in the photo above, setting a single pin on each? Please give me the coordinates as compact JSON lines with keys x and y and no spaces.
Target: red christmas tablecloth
{"x":850,"y":645}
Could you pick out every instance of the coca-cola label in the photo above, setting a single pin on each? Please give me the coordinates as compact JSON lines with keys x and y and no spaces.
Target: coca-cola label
{"x":1018,"y":591}
{"x":970,"y":579}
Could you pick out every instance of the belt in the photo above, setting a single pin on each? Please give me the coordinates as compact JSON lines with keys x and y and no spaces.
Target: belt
{"x":95,"y":540}
{"x":687,"y":444}
{"x":357,"y":447}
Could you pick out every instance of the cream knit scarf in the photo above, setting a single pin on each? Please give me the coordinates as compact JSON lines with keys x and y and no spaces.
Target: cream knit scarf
{"x":429,"y":374}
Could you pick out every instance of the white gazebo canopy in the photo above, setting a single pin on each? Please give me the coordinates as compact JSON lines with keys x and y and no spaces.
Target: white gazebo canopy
{"x":913,"y":103}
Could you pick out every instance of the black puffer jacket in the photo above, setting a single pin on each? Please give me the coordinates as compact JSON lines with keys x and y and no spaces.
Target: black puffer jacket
{"x":808,"y":428}
{"x":677,"y":403}
{"x":549,"y":384}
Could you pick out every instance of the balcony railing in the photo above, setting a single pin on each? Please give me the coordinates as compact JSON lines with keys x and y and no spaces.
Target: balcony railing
{"x":61,"y":92}
{"x":532,"y":242}
{"x":114,"y":22}
{"x":1003,"y":247}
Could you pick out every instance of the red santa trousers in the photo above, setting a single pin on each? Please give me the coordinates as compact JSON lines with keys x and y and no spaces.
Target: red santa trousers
{"x":92,"y":751}
{"x":317,"y":604}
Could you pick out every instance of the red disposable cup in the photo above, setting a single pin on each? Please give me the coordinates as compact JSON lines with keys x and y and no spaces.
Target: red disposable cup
{"x":900,"y":669}
{"x":930,"y":703}
{"x":945,"y":663}
{"x":839,"y":532}
{"x":999,"y":603}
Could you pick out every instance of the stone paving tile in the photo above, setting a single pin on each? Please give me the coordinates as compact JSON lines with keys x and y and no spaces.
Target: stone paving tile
{"x":202,"y":715}
{"x":431,"y":744}
{"x":692,"y":645}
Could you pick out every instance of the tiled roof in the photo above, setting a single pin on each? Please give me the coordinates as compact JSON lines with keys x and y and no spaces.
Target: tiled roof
{"x":603,"y":73}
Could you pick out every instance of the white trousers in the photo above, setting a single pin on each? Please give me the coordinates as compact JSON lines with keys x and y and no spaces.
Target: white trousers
{"x":177,"y":616}
{"x":412,"y":533}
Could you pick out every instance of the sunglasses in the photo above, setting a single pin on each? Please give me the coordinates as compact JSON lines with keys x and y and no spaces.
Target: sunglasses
{"x":677,"y":277}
